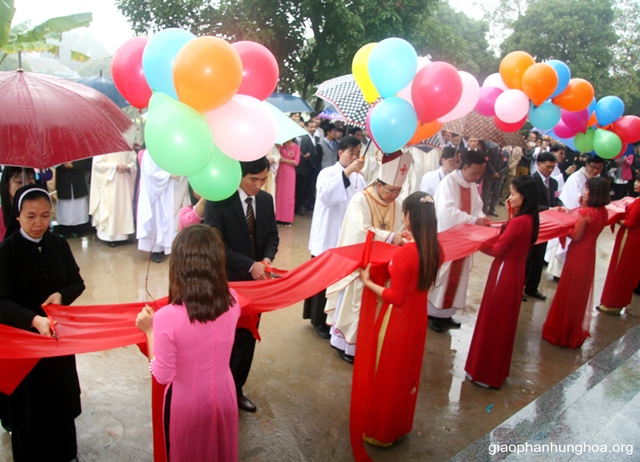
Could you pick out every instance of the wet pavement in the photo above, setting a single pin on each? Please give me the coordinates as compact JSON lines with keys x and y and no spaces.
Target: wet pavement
{"x":302,"y":388}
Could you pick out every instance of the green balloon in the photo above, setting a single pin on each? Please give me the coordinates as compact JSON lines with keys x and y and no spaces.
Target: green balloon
{"x":606,"y":144}
{"x":584,"y":141}
{"x":219,"y":179}
{"x":178,"y":138}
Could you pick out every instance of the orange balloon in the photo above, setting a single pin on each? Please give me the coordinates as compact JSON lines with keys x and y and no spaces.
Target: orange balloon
{"x":207,"y":72}
{"x":539,"y":82}
{"x":576,"y":97}
{"x":513,"y":66}
{"x":592,"y":120}
{"x":425,"y":131}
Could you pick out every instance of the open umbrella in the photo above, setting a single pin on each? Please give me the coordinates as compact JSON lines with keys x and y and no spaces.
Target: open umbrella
{"x":482,"y":127}
{"x":289,"y":103}
{"x":345,"y":96}
{"x":105,"y":86}
{"x":286,"y":129}
{"x":46,"y":121}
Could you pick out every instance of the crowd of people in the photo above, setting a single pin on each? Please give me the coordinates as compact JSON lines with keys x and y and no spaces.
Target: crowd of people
{"x":203,"y":349}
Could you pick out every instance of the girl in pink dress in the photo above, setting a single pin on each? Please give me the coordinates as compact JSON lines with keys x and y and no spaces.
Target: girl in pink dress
{"x":286,"y":183}
{"x":569,"y":317}
{"x":191,"y":341}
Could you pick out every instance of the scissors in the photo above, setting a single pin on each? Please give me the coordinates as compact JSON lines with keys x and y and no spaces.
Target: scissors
{"x":52,"y":327}
{"x":269,"y":270}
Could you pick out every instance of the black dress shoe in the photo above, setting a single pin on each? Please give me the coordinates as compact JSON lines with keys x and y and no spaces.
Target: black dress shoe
{"x":300,"y":212}
{"x":245,"y":404}
{"x":345,"y":357}
{"x":434,"y":324}
{"x":451,"y":323}
{"x":524,"y":298}
{"x":535,"y":294}
{"x":323,"y":331}
{"x":493,"y":214}
{"x":156,"y":257}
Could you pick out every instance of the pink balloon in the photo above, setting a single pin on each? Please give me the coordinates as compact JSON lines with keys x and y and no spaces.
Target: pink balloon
{"x":576,"y":120}
{"x":126,"y":71}
{"x":244,"y":128}
{"x":436,"y":90}
{"x":405,"y":93}
{"x":468,"y":99}
{"x":511,"y":106}
{"x":563,"y":131}
{"x":495,"y":80}
{"x":259,"y":70}
{"x":487,"y":99}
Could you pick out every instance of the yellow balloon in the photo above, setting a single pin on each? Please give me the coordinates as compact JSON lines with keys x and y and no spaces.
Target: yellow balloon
{"x":360,"y":69}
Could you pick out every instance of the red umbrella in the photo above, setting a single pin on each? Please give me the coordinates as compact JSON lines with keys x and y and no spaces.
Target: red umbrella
{"x":46,"y":121}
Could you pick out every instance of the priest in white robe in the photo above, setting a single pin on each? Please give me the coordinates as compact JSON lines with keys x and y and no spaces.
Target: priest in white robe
{"x":375,"y":209}
{"x":570,"y":197}
{"x":162,"y":195}
{"x":457,"y":201}
{"x":111,"y":197}
{"x":335,"y":187}
{"x":449,"y":162}
{"x":273,"y":156}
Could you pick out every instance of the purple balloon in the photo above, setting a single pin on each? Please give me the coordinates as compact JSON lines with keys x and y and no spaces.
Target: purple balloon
{"x":575,"y":120}
{"x":487,"y":100}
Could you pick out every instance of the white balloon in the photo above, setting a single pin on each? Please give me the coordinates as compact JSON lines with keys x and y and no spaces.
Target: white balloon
{"x":468,"y":99}
{"x":512,"y":106}
{"x":495,"y":80}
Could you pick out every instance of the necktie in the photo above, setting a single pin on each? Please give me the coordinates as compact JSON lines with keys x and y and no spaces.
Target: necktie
{"x":251,"y":226}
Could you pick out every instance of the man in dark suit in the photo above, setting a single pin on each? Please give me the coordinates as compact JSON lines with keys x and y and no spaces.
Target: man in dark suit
{"x":247,"y":223}
{"x":547,"y":199}
{"x":305,"y":170}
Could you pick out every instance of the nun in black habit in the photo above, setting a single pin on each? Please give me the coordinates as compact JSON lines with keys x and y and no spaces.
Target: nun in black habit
{"x":38,"y":268}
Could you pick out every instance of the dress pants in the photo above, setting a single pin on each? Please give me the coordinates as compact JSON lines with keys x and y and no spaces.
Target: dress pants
{"x":244,"y":346}
{"x":535,"y":262}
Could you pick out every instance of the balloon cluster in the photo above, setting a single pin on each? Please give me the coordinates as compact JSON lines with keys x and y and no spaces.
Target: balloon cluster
{"x":205,"y":99}
{"x":417,"y":95}
{"x":546,"y":95}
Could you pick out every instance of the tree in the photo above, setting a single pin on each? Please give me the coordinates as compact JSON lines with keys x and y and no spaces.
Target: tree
{"x":43,"y":37}
{"x":626,"y":55}
{"x":311,"y":40}
{"x":454,"y":37}
{"x":578,"y":32}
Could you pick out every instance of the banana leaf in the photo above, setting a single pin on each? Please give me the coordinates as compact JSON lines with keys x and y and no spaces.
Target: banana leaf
{"x":6,"y":16}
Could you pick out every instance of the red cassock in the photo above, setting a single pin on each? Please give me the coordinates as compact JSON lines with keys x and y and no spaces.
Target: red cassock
{"x":402,"y":332}
{"x":569,"y":317}
{"x":489,"y":356}
{"x":624,"y":270}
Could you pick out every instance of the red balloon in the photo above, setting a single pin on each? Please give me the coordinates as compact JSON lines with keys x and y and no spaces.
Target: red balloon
{"x":623,"y":150}
{"x":259,"y":70}
{"x":627,"y":128}
{"x":436,"y":90}
{"x":505,"y":127}
{"x":126,"y":71}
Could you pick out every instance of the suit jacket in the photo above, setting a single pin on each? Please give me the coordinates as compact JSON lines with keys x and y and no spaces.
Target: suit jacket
{"x":547,"y":198}
{"x":229,"y":218}
{"x":306,"y":166}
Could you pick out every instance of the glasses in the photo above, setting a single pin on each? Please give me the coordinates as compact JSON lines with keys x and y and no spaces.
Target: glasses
{"x":392,"y":191}
{"x":596,"y":167}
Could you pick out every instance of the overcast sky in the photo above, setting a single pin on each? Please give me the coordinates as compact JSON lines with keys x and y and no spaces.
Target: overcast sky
{"x":108,"y":25}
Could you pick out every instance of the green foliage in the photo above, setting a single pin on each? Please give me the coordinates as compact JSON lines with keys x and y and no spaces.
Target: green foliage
{"x":578,"y":32}
{"x":43,"y":37}
{"x":453,"y":37}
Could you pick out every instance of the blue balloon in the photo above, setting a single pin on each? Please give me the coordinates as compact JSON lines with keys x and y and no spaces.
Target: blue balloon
{"x":392,"y":65}
{"x":393,"y":121}
{"x":564,"y":75}
{"x":158,"y":57}
{"x":608,"y":110}
{"x":545,"y":116}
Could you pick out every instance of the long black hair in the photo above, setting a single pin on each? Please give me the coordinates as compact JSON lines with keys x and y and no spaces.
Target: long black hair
{"x":526,"y":186}
{"x":7,"y":174}
{"x":424,"y":227}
